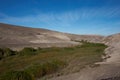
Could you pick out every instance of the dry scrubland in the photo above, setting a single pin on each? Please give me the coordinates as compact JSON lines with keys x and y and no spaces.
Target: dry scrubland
{"x":53,"y":63}
{"x":41,"y":63}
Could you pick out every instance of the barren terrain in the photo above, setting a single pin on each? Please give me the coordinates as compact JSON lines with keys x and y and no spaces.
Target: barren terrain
{"x":17,"y":37}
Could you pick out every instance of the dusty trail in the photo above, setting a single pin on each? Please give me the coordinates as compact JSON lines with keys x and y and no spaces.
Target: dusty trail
{"x":108,"y":70}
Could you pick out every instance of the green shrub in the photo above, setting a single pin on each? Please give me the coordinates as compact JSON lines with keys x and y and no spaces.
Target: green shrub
{"x":27,"y":51}
{"x":51,"y":67}
{"x":1,"y":53}
{"x":17,"y":75}
{"x":39,"y":50}
{"x":89,"y":44}
{"x":35,"y":70}
{"x":40,"y":70}
{"x":8,"y":52}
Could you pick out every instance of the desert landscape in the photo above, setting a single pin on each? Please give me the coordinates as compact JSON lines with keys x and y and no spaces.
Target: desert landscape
{"x":77,"y":57}
{"x":59,"y":39}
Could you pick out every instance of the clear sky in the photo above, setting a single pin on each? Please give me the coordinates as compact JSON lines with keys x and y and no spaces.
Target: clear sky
{"x":73,"y":16}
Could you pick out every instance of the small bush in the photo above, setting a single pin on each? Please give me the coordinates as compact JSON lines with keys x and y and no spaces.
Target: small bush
{"x":8,"y":52}
{"x":51,"y":67}
{"x":27,"y":51}
{"x":39,"y":50}
{"x":35,"y":70}
{"x":41,"y":70}
{"x":88,"y":44}
{"x":1,"y":54}
{"x":17,"y":75}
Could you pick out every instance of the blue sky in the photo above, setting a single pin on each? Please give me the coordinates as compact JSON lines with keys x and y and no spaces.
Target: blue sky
{"x":72,"y":16}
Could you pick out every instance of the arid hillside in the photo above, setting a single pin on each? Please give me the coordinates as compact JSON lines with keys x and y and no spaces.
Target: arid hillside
{"x":18,"y":37}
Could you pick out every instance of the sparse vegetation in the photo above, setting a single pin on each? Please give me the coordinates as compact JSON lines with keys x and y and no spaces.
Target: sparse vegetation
{"x":39,"y":70}
{"x":27,"y":51}
{"x":41,"y":62}
{"x":17,"y":75}
{"x":6,"y":52}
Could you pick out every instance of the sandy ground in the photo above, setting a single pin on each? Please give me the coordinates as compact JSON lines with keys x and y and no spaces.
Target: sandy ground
{"x":108,"y":70}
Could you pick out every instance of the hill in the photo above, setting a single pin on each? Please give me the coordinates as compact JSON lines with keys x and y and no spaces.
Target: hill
{"x":17,"y":37}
